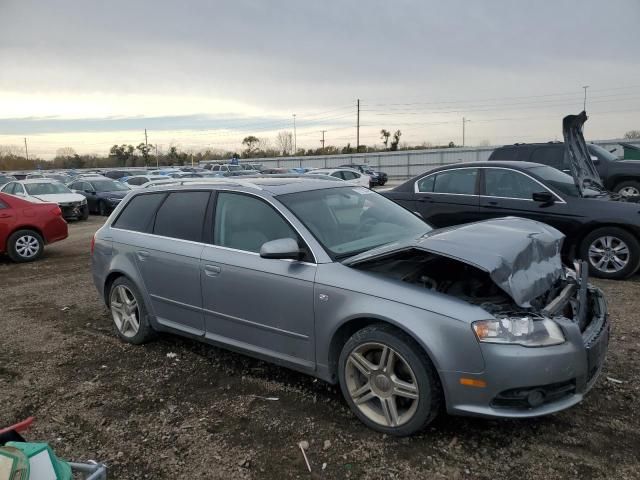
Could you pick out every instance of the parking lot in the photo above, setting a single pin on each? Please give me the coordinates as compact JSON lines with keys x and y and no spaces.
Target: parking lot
{"x":176,"y":408}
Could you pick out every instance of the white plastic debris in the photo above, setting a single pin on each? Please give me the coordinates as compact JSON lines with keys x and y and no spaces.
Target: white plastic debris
{"x":614,"y":380}
{"x":303,"y":446}
{"x":172,"y":355}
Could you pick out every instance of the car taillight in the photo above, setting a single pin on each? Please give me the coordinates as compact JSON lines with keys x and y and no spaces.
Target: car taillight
{"x":93,"y":243}
{"x":57,"y":211}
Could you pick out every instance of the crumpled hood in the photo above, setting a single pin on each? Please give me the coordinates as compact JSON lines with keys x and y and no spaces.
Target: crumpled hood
{"x":521,"y":256}
{"x":582,"y":168}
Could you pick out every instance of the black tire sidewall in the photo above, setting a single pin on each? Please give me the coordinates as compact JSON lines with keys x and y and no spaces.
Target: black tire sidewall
{"x":145,"y":332}
{"x":628,"y":238}
{"x":102,"y":208}
{"x":85,"y":213}
{"x":11,"y":246}
{"x":428,"y":386}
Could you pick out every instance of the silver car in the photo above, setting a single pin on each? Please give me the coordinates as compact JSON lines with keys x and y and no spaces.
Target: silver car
{"x":480,"y":319}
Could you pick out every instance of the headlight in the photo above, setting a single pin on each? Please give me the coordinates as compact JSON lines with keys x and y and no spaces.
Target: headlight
{"x":83,"y":201}
{"x":524,"y":331}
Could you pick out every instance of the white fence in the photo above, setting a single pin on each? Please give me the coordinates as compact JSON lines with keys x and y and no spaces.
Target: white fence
{"x":404,"y":164}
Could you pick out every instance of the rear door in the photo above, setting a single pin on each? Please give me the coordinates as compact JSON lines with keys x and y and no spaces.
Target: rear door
{"x":448,"y":197}
{"x":509,"y":192}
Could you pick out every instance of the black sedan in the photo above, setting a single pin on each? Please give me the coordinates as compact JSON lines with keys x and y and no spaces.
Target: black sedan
{"x":103,"y":194}
{"x":600,"y":227}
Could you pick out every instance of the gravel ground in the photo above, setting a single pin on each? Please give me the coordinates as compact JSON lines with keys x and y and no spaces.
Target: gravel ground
{"x":175,"y":408}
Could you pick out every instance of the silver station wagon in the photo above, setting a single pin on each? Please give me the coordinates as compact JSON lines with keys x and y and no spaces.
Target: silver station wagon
{"x":479,"y":319}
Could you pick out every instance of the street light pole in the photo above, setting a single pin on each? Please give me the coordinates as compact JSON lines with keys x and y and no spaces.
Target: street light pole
{"x":464,"y":122}
{"x":584,"y":105}
{"x":295,"y":136}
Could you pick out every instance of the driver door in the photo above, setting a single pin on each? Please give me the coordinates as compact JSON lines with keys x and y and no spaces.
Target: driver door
{"x":264,"y":306}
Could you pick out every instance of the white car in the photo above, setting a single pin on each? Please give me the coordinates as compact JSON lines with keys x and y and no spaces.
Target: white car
{"x":349,"y":175}
{"x":138,"y":181}
{"x":73,"y":205}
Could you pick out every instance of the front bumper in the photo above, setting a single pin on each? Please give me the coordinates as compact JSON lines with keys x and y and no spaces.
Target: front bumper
{"x":529,"y":382}
{"x":73,"y":210}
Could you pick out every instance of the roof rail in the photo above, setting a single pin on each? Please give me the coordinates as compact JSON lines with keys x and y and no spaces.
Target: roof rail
{"x":208,"y":181}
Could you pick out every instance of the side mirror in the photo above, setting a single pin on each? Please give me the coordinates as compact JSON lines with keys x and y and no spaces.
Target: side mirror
{"x":281,"y":248}
{"x":542,"y":197}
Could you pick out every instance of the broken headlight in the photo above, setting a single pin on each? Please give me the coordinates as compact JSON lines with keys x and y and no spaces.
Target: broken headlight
{"x":525,"y":331}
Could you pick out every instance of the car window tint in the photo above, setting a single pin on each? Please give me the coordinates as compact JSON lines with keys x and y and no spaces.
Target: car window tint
{"x":246,"y":223}
{"x":509,"y":184}
{"x":426,"y":184}
{"x":137,"y":214}
{"x":182,"y":216}
{"x":349,"y":175}
{"x":8,"y":188}
{"x":3,"y":205}
{"x":507,"y":153}
{"x":461,"y":181}
{"x":552,"y":156}
{"x":337,"y":175}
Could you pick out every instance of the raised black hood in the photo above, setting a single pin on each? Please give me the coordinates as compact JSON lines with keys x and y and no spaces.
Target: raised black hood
{"x":521,"y":256}
{"x":576,"y":154}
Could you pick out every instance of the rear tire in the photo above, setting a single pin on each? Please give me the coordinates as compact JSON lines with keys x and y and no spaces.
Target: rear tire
{"x":397,"y":392}
{"x":25,"y":246}
{"x":630,"y":188}
{"x":129,"y":313}
{"x":611,"y":252}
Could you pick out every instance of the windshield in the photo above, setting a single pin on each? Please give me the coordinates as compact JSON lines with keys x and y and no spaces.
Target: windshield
{"x":351,"y":220}
{"x":561,"y":181}
{"x":601,"y":153}
{"x":109,"y":186}
{"x":45,"y":188}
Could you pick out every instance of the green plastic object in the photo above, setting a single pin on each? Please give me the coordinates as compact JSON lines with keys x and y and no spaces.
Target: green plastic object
{"x":43,"y":463}
{"x":14,"y":465}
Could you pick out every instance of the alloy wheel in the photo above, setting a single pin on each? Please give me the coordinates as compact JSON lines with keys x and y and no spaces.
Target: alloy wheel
{"x":381,"y":384}
{"x":124,"y":310}
{"x":609,"y":254}
{"x":629,"y":191}
{"x":27,"y":246}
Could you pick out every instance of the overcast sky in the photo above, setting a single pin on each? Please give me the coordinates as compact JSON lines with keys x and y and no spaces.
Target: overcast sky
{"x":204,"y":74}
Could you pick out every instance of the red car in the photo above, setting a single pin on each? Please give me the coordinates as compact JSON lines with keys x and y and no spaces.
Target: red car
{"x":26,"y":227}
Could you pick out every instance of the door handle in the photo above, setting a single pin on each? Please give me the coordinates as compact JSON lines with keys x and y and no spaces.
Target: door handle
{"x":142,"y":255}
{"x":212,"y":270}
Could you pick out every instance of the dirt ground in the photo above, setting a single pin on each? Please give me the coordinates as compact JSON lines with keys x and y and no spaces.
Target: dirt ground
{"x":175,"y":408}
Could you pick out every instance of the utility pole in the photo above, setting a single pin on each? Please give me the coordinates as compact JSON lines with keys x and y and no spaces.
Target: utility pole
{"x":584,"y":105}
{"x":358,"y":128}
{"x":146,"y":147}
{"x":322,"y":140}
{"x":295,"y":136}
{"x":464,"y":121}
{"x":26,"y":149}
{"x":157,"y":159}
{"x":145,"y":138}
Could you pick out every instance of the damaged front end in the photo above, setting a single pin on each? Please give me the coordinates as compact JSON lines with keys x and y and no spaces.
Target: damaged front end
{"x":511,"y":268}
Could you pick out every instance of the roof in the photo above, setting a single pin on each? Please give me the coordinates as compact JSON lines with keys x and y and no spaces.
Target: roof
{"x":37,"y":180}
{"x":271,"y":185}
{"x":493,"y":163}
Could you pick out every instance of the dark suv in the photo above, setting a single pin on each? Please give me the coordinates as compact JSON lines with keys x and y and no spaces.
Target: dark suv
{"x":377,"y":178}
{"x":619,"y":176}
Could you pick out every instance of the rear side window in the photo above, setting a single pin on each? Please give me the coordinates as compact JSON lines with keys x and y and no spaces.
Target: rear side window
{"x":137,"y":214}
{"x":182,"y":216}
{"x":461,"y":182}
{"x":426,"y":184}
{"x":552,"y":156}
{"x":507,"y":153}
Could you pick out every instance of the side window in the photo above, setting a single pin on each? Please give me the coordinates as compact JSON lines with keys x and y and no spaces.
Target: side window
{"x":347,"y":175}
{"x":504,"y":153}
{"x":182,"y":216}
{"x":137,"y":214}
{"x":552,"y":156}
{"x":426,"y":184}
{"x":509,"y":184}
{"x":8,"y":188}
{"x":18,"y":189}
{"x":136,"y":181}
{"x":215,"y":168}
{"x":84,"y":186}
{"x":246,"y":223}
{"x":461,"y":181}
{"x":75,"y":186}
{"x":337,"y":175}
{"x":3,"y":205}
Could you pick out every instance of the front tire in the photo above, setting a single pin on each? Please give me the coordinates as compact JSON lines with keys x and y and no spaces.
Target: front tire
{"x":102,"y":209}
{"x":129,"y":313}
{"x":84,"y":215}
{"x":388,"y":381}
{"x":630,"y":188}
{"x":25,"y":246}
{"x":611,"y":252}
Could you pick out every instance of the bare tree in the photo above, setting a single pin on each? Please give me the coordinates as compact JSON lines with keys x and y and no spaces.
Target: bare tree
{"x":396,"y":140}
{"x":384,"y":136}
{"x":284,"y":142}
{"x":632,"y":135}
{"x":65,"y":152}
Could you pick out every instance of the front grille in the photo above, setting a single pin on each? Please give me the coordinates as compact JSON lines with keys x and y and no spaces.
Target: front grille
{"x":531,"y":397}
